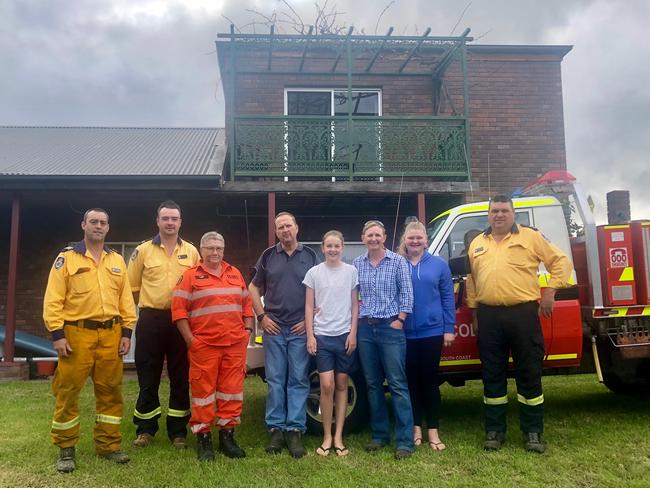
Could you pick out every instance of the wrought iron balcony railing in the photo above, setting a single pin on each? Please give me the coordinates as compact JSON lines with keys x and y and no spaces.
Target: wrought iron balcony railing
{"x":349,"y":148}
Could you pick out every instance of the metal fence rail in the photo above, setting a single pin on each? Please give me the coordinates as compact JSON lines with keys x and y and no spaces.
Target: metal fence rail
{"x":346,"y":148}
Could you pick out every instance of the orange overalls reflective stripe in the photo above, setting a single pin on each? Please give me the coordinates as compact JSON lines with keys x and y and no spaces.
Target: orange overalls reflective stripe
{"x":216,"y":376}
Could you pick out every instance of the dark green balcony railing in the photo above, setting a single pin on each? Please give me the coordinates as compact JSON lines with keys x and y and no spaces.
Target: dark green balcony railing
{"x":347,"y":148}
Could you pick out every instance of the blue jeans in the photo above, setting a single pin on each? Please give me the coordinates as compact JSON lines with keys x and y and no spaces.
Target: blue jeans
{"x":287,"y":367}
{"x":382,"y":351}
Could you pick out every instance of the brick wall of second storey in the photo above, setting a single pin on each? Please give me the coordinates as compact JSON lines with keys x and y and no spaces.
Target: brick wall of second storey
{"x":516,"y":118}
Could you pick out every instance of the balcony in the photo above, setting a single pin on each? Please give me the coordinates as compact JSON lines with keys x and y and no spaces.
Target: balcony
{"x":318,"y":147}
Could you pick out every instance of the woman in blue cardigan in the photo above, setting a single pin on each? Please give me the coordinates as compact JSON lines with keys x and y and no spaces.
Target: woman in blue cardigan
{"x":427,"y":329}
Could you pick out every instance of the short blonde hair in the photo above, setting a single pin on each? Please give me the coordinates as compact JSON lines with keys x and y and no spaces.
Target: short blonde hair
{"x":373,"y":223}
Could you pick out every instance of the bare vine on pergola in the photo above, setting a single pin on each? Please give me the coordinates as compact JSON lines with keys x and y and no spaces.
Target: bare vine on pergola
{"x":327,"y":20}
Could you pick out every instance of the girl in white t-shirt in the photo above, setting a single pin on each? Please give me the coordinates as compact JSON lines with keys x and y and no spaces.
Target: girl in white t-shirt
{"x":331,"y":313}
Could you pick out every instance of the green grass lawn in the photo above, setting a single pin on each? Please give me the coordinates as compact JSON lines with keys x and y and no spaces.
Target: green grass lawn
{"x":595,"y":438}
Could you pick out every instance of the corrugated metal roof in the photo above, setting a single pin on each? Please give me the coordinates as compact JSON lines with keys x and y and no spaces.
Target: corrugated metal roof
{"x":111,"y":151}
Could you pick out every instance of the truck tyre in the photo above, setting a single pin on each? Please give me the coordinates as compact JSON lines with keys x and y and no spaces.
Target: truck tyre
{"x":357,"y":413}
{"x":617,"y":385}
{"x":623,"y":376}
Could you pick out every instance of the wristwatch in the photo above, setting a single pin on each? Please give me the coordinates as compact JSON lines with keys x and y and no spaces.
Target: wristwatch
{"x":261,"y":316}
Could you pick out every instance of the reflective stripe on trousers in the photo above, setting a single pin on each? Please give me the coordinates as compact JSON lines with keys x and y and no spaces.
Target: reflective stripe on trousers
{"x":223,"y":366}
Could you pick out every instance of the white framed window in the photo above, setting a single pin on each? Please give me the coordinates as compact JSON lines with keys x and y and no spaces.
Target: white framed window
{"x":328,"y":140}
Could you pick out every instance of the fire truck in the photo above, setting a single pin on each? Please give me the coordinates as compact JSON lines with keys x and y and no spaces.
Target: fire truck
{"x":600,"y":324}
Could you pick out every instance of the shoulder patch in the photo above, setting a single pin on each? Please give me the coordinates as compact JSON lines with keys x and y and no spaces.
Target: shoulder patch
{"x":134,"y":254}
{"x":58,"y":264}
{"x":478,"y":249}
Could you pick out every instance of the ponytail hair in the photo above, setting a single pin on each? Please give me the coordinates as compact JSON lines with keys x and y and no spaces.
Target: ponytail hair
{"x":415,"y":225}
{"x":333,"y":233}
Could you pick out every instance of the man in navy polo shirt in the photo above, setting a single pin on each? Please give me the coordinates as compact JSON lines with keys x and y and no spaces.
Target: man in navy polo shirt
{"x":278,"y":277}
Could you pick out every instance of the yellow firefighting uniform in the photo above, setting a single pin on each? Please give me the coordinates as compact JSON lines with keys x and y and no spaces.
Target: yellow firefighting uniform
{"x":154,"y":274}
{"x":91,"y":306}
{"x":504,"y":288}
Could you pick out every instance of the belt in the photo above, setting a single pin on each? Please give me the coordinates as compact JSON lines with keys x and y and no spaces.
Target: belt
{"x":485,"y":305}
{"x":94,"y":324}
{"x":379,"y":320}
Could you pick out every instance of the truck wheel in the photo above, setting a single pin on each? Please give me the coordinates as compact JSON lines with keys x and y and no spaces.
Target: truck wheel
{"x":617,"y":385}
{"x":621,"y":375}
{"x":357,"y":413}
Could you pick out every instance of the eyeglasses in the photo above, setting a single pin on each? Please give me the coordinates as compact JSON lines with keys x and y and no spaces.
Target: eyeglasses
{"x":213,"y":248}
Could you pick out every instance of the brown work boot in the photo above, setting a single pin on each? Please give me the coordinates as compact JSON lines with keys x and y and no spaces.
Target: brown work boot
{"x":494,"y":440}
{"x":66,"y":462}
{"x":534,"y":442}
{"x":143,"y":440}
{"x":179,"y":443}
{"x":117,"y":457}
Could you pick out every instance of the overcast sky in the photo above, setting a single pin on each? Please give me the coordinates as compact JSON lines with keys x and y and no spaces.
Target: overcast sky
{"x":152,"y":63}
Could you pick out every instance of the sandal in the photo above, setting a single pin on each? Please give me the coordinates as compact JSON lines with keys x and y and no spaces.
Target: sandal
{"x":417,"y":441}
{"x":341,"y":451}
{"x":323,"y":451}
{"x":437,"y":446}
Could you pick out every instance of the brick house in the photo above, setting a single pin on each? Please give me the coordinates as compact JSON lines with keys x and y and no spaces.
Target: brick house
{"x":335,"y":129}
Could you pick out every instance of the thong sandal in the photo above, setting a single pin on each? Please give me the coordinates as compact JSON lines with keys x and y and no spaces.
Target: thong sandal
{"x":341,"y":451}
{"x":417,"y":441}
{"x":437,"y":446}
{"x":323,"y":451}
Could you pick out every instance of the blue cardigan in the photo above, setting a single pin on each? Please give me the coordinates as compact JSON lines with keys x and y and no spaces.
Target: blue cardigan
{"x":434,"y":309}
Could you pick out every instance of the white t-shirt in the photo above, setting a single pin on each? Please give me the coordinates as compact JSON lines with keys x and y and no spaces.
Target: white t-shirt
{"x":333,"y":297}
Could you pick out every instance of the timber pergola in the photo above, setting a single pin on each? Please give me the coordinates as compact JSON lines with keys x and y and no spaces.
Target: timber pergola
{"x":442,"y":51}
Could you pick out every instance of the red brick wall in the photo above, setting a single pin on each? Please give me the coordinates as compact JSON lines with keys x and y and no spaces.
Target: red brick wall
{"x":516,"y":117}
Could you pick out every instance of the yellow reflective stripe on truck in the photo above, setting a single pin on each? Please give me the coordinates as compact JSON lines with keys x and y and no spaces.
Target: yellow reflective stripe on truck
{"x":627,"y":274}
{"x":482,"y":207}
{"x":469,"y":362}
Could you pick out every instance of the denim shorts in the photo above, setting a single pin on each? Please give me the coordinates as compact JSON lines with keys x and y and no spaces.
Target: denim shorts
{"x":331,"y":355}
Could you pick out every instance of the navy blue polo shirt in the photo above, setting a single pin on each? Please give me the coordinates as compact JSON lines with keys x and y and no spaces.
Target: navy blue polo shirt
{"x":279,"y":276}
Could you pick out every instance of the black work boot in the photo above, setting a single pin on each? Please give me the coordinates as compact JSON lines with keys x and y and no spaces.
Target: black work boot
{"x":66,"y":463}
{"x":534,"y":442}
{"x":293,"y":438}
{"x":494,"y":440}
{"x":204,"y":446}
{"x":276,"y":443}
{"x":228,"y":446}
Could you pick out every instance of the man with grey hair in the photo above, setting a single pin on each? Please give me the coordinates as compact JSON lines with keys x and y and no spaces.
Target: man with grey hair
{"x":212,"y":310}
